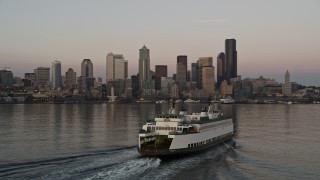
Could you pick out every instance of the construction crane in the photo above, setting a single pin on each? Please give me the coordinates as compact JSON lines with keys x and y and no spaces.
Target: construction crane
{"x":4,"y":67}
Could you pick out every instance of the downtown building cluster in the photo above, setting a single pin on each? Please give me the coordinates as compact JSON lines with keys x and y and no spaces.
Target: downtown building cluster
{"x":197,"y":83}
{"x":203,"y":81}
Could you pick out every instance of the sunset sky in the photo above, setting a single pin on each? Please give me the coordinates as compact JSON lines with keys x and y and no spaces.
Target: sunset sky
{"x":272,"y":36}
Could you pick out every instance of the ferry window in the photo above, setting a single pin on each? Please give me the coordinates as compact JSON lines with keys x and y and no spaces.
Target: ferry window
{"x":188,"y":145}
{"x":175,"y":128}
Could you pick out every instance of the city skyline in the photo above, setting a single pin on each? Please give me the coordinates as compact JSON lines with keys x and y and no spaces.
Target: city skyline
{"x":271,"y":36}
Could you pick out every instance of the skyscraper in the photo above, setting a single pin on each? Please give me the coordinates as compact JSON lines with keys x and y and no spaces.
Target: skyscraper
{"x":231,"y":59}
{"x":42,"y":76}
{"x":220,"y":69}
{"x":144,"y":65}
{"x":6,"y":78}
{"x":56,"y":75}
{"x":203,"y":62}
{"x":181,"y":76}
{"x":86,"y":78}
{"x":126,"y":69}
{"x":117,"y":67}
{"x":287,"y":87}
{"x":208,"y":79}
{"x":71,"y":79}
{"x":194,"y":72}
{"x":161,"y":71}
{"x":87,"y":68}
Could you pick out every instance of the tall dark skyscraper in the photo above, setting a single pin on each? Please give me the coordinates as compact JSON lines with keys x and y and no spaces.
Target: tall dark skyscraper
{"x":194,"y":72}
{"x":87,"y":74}
{"x":231,"y":59}
{"x":182,"y":65}
{"x":220,"y":68}
{"x":144,"y":65}
{"x":161,"y":71}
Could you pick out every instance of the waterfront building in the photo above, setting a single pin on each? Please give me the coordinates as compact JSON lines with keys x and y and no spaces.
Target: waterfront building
{"x":161,"y":71}
{"x":6,"y":79}
{"x":225,"y":89}
{"x":117,"y":67}
{"x":181,"y":72}
{"x":63,"y":82}
{"x":56,"y":75}
{"x":128,"y":88}
{"x":31,"y":77}
{"x":220,"y":69}
{"x":118,"y":87}
{"x":135,"y":85}
{"x":271,"y":90}
{"x":259,"y":83}
{"x":199,"y":94}
{"x":42,"y":76}
{"x":231,"y":59}
{"x":27,"y":83}
{"x":242,"y":90}
{"x":287,"y":87}
{"x":71,"y":79}
{"x":144,"y":65}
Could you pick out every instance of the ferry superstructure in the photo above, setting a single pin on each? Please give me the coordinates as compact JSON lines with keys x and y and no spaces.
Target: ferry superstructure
{"x":174,"y":134}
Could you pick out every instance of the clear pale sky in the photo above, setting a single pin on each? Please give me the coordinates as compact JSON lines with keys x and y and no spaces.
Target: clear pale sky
{"x":272,"y":36}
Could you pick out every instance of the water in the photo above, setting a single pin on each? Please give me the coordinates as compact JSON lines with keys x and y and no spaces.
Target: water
{"x":98,"y":141}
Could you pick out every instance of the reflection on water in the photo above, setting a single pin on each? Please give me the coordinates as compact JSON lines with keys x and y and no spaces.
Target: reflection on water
{"x":97,"y":141}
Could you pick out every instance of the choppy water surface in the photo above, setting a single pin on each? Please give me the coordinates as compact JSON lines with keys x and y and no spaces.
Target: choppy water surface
{"x":98,"y":141}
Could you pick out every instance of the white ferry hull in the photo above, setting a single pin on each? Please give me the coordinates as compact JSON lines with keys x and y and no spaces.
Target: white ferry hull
{"x":184,"y":151}
{"x":187,"y":143}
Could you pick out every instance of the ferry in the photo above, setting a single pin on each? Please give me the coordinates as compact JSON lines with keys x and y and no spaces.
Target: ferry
{"x":191,"y":101}
{"x":181,"y":133}
{"x":228,"y":100}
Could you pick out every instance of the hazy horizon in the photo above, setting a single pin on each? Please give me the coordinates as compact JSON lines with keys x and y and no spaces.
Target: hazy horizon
{"x":272,"y":36}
